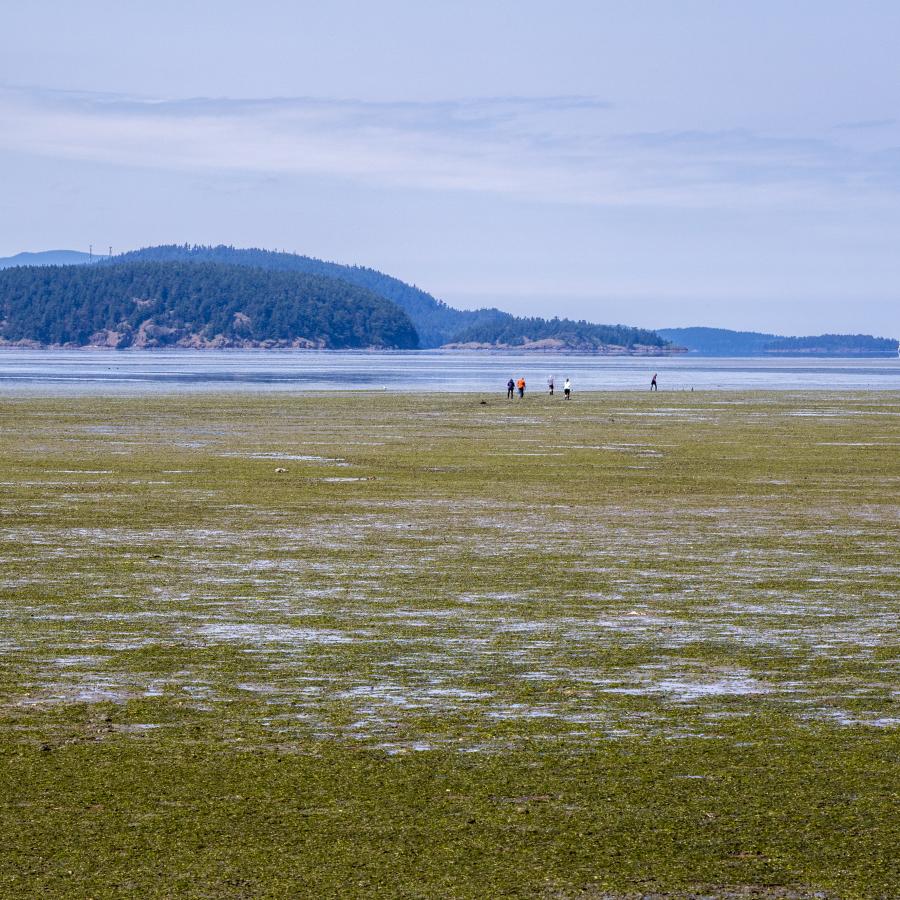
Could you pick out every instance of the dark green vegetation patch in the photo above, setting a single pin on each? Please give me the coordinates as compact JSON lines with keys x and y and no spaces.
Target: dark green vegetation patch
{"x":623,"y":646}
{"x":161,"y":304}
{"x":583,"y":336}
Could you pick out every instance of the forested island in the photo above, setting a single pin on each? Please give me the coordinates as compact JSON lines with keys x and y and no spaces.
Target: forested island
{"x":516,"y":333}
{"x":724,"y":342}
{"x":217,"y":297}
{"x":833,"y":345}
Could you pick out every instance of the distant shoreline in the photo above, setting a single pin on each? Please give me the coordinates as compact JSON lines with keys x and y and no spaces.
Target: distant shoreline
{"x":34,"y":347}
{"x":480,"y":350}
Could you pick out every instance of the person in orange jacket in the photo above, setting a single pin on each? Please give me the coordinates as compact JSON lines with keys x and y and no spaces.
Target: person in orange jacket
{"x":520,"y":384}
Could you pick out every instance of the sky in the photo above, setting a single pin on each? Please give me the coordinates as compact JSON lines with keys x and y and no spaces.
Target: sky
{"x":650,"y":162}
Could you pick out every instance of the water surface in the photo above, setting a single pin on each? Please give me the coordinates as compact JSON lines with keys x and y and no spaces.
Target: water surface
{"x":101,"y":372}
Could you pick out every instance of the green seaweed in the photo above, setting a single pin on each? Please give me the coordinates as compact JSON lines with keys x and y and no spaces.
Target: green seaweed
{"x":623,"y":646}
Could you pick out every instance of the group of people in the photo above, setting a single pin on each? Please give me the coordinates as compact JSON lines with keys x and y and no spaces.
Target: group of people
{"x":512,"y":386}
{"x":519,"y":385}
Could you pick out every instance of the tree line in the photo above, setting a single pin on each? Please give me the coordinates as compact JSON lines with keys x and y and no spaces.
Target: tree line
{"x":58,"y":305}
{"x":575,"y":335}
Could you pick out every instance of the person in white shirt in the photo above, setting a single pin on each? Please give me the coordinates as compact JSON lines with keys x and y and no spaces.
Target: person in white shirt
{"x":567,"y":389}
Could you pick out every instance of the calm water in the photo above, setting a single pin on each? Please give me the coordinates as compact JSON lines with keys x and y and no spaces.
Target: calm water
{"x":91,"y":371}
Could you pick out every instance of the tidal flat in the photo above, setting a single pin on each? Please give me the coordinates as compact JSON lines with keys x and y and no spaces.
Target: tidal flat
{"x":387,"y":645}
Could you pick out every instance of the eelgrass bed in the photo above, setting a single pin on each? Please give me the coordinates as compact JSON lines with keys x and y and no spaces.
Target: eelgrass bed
{"x":396,"y":646}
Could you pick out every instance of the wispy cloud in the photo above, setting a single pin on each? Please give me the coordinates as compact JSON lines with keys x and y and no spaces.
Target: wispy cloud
{"x":556,"y":149}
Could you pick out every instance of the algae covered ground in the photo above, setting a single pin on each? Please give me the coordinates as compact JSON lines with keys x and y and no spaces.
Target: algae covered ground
{"x":428,"y":646}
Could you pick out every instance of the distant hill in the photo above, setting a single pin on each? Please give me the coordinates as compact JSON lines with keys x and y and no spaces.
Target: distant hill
{"x":718,"y":341}
{"x":723,"y":342}
{"x":834,"y":345}
{"x":175,"y":304}
{"x":435,"y":322}
{"x":47,"y":258}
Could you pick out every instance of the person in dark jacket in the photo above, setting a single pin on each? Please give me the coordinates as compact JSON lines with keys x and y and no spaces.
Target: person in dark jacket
{"x":510,"y":387}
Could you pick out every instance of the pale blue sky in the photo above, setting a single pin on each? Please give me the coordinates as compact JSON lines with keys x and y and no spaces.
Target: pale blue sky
{"x":656,"y":163}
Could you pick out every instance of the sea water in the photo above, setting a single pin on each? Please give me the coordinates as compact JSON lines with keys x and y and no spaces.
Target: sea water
{"x":134,"y":371}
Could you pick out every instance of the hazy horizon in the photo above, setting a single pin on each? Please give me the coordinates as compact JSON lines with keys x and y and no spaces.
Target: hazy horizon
{"x":654,"y":164}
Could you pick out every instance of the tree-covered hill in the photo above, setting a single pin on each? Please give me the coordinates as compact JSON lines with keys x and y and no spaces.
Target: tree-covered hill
{"x":554,"y":334}
{"x":159,"y":304}
{"x":435,"y":322}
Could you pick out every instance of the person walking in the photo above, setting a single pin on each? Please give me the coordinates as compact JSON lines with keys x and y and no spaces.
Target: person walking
{"x":653,"y":384}
{"x":520,"y":384}
{"x":567,"y":389}
{"x":510,"y":387}
{"x":550,"y":385}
